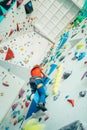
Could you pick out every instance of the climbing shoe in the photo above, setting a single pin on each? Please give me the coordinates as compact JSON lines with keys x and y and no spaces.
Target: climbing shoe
{"x":42,"y":107}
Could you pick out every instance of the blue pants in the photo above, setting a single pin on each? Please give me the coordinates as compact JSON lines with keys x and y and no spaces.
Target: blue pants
{"x":41,"y":91}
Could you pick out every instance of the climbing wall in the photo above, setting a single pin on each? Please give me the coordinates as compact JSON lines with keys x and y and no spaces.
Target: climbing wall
{"x":64,"y":61}
{"x":16,"y":22}
{"x":10,"y":86}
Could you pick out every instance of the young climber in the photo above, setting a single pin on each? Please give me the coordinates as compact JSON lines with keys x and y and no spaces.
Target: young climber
{"x":36,"y":83}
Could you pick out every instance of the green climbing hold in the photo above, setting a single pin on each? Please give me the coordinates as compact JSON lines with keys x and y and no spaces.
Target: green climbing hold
{"x":83,"y":26}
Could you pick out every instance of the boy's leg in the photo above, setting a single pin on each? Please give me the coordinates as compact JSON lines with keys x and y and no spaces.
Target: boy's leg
{"x":42,"y":95}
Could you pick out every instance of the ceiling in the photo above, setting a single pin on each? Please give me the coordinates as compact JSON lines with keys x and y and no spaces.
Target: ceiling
{"x":54,"y":15}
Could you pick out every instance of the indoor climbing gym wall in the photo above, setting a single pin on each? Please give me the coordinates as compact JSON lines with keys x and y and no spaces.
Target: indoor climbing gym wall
{"x":52,"y":33}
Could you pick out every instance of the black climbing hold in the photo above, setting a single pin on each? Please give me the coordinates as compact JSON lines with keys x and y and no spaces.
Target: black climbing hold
{"x":66,"y":75}
{"x":56,"y":96}
{"x":82,"y":93}
{"x":39,"y":119}
{"x":61,"y":58}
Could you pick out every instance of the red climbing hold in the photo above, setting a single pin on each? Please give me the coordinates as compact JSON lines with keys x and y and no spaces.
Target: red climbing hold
{"x":11,"y":32}
{"x":71,"y":101}
{"x":27,"y":104}
{"x":18,"y":27}
{"x":15,"y":122}
{"x":5,"y":14}
{"x":9,"y":54}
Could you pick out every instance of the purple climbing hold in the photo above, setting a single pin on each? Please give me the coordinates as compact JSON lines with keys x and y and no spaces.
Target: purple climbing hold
{"x":21,"y":93}
{"x":14,"y":106}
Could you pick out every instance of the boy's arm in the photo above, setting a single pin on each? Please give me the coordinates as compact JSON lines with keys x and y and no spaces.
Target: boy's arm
{"x":44,"y":74}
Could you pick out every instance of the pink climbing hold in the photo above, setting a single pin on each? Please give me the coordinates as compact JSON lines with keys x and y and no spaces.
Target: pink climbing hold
{"x":19,"y":2}
{"x":46,"y":118}
{"x":9,"y":2}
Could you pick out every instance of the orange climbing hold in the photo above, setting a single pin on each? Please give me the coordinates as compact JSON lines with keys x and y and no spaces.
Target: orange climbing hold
{"x":71,"y":101}
{"x":9,"y":54}
{"x":0,"y":39}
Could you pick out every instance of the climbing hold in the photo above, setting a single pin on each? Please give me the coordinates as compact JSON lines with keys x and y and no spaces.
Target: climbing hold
{"x":82,"y":93}
{"x":83,"y":26}
{"x":9,"y":54}
{"x":11,"y":32}
{"x":85,"y":62}
{"x":20,"y":118}
{"x":17,"y":27}
{"x":0,"y":39}
{"x":55,"y":97}
{"x":66,"y":75}
{"x":76,"y":54}
{"x":7,"y":128}
{"x":82,"y":55}
{"x":57,"y":79}
{"x":71,"y":101}
{"x":76,"y":125}
{"x":15,"y":122}
{"x":67,"y":96}
{"x":14,"y":106}
{"x":74,"y":58}
{"x":28,"y":7}
{"x":1,"y":93}
{"x":19,"y":2}
{"x":14,"y":116}
{"x":21,"y":93}
{"x":16,"y":112}
{"x":27,"y":104}
{"x":61,"y":58}
{"x":9,"y":2}
{"x":79,"y":46}
{"x":6,"y":84}
{"x":85,"y":74}
{"x":46,"y":118}
{"x":1,"y":51}
{"x":33,"y":124}
{"x":5,"y":48}
{"x":52,"y":68}
{"x":39,"y":119}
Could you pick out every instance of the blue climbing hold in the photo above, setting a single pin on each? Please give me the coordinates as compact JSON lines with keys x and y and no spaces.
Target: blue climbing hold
{"x":81,"y":56}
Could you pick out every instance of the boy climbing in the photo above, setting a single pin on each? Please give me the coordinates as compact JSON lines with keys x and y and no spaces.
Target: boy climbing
{"x":36,"y":83}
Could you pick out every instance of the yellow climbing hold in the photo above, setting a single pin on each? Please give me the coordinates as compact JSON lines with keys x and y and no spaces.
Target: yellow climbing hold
{"x":64,"y":47}
{"x":33,"y":124}
{"x":21,"y":49}
{"x":57,"y":79}
{"x":79,"y":46}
